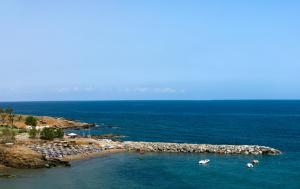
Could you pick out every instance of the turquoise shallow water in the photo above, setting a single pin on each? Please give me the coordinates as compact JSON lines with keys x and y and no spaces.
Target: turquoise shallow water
{"x":131,"y":170}
{"x":271,"y":123}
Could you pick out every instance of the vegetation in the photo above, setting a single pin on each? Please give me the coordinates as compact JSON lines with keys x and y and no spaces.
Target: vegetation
{"x":3,"y":129}
{"x":30,"y":120}
{"x":10,"y":113}
{"x":60,"y":133}
{"x":51,"y":133}
{"x":20,"y":117}
{"x":3,"y":116}
{"x":8,"y":130}
{"x":33,"y":133}
{"x":7,"y":113}
{"x":7,"y":135}
{"x":22,"y":130}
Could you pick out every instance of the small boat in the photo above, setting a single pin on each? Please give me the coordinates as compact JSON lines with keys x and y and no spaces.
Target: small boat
{"x":250,"y":165}
{"x":205,"y":161}
{"x":255,"y":161}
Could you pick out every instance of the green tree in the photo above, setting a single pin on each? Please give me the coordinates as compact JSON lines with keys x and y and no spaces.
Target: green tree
{"x":59,"y":133}
{"x":51,"y":133}
{"x":30,"y":120}
{"x":47,"y":134}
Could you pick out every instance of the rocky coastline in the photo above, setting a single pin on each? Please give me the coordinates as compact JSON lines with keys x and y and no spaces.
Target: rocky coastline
{"x":52,"y":154}
{"x":22,"y":157}
{"x":56,"y":122}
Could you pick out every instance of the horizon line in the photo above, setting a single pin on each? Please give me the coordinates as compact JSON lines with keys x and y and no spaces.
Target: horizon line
{"x":20,"y":101}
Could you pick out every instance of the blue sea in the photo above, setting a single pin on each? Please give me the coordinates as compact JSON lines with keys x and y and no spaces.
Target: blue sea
{"x":270,"y":123}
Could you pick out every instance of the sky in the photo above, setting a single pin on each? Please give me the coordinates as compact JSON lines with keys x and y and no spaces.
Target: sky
{"x":149,"y":50}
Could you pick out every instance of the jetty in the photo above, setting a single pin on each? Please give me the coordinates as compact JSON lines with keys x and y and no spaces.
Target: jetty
{"x":200,"y":148}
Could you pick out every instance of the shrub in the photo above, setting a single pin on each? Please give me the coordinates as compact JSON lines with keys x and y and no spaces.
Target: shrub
{"x":51,"y":133}
{"x":22,"y":130}
{"x":7,"y":136}
{"x":13,"y":127}
{"x":30,"y":120}
{"x":59,"y":133}
{"x":47,"y":134}
{"x":32,"y":133}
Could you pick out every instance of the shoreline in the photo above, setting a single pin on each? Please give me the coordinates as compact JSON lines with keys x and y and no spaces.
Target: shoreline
{"x":38,"y":153}
{"x":81,"y":157}
{"x":61,"y":153}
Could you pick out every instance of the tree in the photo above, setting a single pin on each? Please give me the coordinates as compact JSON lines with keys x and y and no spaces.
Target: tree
{"x":30,"y":120}
{"x":59,"y":133}
{"x":51,"y":133}
{"x":11,"y":118}
{"x":3,"y":115}
{"x":47,"y":134}
{"x":10,"y":114}
{"x":20,"y":117}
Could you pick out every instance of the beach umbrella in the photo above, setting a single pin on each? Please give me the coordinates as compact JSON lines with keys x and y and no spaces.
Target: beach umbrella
{"x":72,"y":134}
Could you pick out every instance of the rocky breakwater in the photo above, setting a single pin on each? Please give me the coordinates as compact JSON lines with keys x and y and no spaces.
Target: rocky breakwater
{"x":199,"y":148}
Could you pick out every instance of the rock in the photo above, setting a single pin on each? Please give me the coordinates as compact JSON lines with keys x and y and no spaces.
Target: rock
{"x":47,"y":165}
{"x":20,"y":157}
{"x":200,"y":148}
{"x":7,"y":176}
{"x":58,"y":162}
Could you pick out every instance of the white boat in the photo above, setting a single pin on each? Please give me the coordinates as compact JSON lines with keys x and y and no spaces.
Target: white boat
{"x":250,"y":165}
{"x":205,"y":161}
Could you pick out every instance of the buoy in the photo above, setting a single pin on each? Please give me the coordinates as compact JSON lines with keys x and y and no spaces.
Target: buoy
{"x":250,"y":165}
{"x":255,"y":161}
{"x":205,"y":161}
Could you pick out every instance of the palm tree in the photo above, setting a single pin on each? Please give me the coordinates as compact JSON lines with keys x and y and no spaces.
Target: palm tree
{"x":11,"y":116}
{"x":3,"y":115}
{"x":20,"y":117}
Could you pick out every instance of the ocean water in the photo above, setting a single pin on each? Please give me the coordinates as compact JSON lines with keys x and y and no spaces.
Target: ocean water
{"x":271,"y":123}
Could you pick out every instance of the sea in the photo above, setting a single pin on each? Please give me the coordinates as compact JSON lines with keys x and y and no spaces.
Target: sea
{"x":274,"y":123}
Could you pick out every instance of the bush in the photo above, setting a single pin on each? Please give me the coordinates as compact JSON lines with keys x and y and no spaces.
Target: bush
{"x":7,"y":136}
{"x":22,"y":130}
{"x":32,"y":133}
{"x":59,"y":133}
{"x":47,"y":134}
{"x":30,"y":120}
{"x":51,"y":133}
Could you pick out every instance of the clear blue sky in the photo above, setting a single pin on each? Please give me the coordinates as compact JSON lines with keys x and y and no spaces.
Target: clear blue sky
{"x":118,"y":50}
